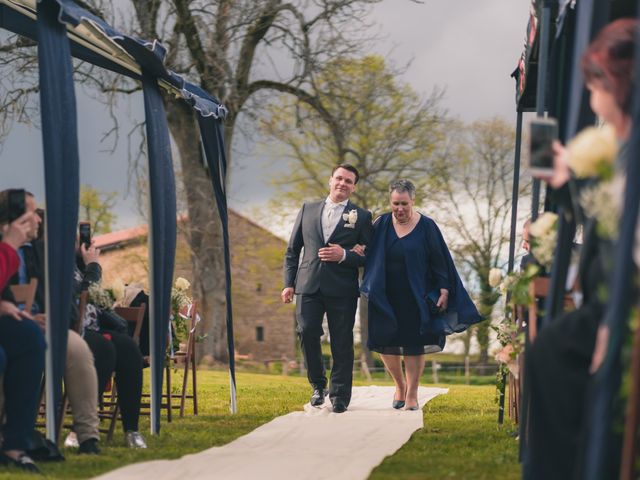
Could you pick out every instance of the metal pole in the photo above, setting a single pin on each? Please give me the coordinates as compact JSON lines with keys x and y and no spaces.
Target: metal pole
{"x":512,"y":238}
{"x":541,"y":93}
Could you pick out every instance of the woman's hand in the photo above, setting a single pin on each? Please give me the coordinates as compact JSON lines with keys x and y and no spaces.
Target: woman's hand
{"x":359,"y":249}
{"x":561,"y":172}
{"x":443,"y":300}
{"x":11,"y":310}
{"x":600,"y":350}
{"x":91,"y":254}
{"x":18,"y":232}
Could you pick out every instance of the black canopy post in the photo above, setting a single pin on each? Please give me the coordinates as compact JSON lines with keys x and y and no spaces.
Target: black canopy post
{"x":541,"y":94}
{"x":512,"y":236}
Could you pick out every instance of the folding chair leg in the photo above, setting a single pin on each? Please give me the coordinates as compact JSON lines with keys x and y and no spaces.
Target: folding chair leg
{"x":183,"y":396}
{"x":169,"y":400}
{"x":116,"y":410}
{"x":193,"y":381}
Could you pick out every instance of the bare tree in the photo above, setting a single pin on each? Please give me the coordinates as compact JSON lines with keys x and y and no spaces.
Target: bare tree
{"x":368,"y":118}
{"x":470,"y":196}
{"x":229,"y":47}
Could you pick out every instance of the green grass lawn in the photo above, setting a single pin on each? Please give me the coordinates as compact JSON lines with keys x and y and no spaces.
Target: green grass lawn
{"x":460,"y":440}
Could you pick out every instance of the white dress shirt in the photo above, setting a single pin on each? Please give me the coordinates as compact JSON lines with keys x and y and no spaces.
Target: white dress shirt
{"x":331,"y":215}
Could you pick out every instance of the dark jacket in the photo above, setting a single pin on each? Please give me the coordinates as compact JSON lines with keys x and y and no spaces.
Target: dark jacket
{"x":461,"y":311}
{"x":329,"y":278}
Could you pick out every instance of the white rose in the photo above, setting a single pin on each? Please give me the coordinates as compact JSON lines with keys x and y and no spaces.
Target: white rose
{"x":353,"y":216}
{"x":495,"y":277}
{"x":592,"y":149}
{"x":182,"y":283}
{"x":543,"y":224}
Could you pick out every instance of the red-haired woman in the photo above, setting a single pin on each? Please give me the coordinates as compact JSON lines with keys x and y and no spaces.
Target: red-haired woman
{"x":558,"y":362}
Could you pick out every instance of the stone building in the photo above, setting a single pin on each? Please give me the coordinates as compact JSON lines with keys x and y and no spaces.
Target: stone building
{"x":264,"y":328}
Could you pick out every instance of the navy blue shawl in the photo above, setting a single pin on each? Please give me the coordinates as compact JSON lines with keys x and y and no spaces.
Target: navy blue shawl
{"x":461,"y":311}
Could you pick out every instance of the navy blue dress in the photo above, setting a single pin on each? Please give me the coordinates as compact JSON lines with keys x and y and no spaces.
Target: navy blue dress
{"x":407,"y":340}
{"x":400,"y":273}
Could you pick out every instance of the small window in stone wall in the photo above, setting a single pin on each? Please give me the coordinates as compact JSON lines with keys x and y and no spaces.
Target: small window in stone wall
{"x":260,"y":334}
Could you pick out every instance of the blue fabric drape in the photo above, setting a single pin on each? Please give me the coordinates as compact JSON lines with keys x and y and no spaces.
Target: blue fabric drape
{"x":162,"y":235}
{"x":61,"y":166}
{"x":213,"y":145}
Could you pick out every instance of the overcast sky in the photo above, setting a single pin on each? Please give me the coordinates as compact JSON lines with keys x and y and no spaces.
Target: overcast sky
{"x":469,"y":47}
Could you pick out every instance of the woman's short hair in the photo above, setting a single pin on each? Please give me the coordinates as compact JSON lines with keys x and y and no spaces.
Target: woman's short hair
{"x":608,"y":61}
{"x":402,"y":186}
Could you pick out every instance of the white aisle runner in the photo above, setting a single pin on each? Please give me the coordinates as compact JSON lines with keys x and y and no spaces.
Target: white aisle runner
{"x":314,"y":444}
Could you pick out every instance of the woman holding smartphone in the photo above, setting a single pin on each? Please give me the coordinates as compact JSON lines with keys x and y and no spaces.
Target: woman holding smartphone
{"x":558,"y":363}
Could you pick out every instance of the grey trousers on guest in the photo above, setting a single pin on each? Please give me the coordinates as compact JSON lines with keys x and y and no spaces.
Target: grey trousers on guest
{"x":81,"y":383}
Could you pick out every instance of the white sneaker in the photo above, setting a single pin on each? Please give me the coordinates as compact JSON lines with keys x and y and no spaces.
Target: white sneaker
{"x":71,"y":441}
{"x":134,"y":440}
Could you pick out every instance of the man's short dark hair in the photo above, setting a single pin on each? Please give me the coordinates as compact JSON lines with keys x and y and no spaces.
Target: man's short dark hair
{"x":349,"y":167}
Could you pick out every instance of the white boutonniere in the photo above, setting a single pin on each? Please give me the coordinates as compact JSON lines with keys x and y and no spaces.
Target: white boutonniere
{"x":350,"y":218}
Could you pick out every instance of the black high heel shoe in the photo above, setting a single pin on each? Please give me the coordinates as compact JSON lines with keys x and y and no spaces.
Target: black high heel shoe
{"x":398,"y":404}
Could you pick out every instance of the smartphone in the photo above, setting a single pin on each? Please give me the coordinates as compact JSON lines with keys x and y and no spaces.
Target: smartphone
{"x":16,"y":204}
{"x":542,"y":133}
{"x":84,"y":229}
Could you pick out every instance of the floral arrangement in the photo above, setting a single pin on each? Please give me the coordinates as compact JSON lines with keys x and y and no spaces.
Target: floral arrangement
{"x":179,"y":299}
{"x":544,"y":236}
{"x":592,"y":152}
{"x":101,"y":297}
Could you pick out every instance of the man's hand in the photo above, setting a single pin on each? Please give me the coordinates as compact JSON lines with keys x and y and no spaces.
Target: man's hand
{"x":332,"y":253}
{"x":18,"y":232}
{"x":11,"y":310}
{"x":287,"y":295}
{"x":91,"y":254}
{"x":359,"y":249}
{"x":443,"y":300}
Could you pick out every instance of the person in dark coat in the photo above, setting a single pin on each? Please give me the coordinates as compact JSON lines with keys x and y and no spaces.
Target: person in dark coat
{"x":558,"y":363}
{"x":415,"y":294}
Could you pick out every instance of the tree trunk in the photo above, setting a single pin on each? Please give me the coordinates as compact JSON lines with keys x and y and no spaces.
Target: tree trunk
{"x":204,"y":235}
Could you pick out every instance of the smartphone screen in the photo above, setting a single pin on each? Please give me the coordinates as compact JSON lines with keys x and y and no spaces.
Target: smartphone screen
{"x":542,"y":133}
{"x":16,"y":207}
{"x":84,"y":229}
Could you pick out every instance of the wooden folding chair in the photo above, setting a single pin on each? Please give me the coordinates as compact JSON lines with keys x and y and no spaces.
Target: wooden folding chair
{"x":629,"y":466}
{"x":190,"y":363}
{"x":25,"y":294}
{"x":110,"y":409}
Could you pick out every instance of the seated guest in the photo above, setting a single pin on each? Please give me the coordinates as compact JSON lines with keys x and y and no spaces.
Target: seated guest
{"x":113,"y":350}
{"x":23,"y":345}
{"x":80,"y":377}
{"x":558,"y":362}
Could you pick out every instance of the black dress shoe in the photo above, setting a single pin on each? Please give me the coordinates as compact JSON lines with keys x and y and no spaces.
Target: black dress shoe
{"x":317,"y":399}
{"x":339,"y":406}
{"x":23,"y":462}
{"x":398,"y":404}
{"x":90,"y":447}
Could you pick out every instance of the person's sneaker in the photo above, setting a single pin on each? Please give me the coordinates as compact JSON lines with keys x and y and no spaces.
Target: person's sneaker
{"x":134,"y":440}
{"x":71,"y":441}
{"x":89,"y":446}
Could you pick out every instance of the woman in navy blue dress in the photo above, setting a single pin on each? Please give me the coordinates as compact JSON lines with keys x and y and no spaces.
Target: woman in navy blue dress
{"x":415,"y":294}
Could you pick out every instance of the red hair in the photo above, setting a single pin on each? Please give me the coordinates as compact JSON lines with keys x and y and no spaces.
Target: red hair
{"x":608,"y":61}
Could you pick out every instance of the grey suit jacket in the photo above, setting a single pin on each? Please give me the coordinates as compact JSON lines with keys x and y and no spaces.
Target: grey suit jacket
{"x":329,"y":278}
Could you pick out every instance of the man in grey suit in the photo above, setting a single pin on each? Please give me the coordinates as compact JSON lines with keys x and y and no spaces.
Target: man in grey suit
{"x":326,"y":281}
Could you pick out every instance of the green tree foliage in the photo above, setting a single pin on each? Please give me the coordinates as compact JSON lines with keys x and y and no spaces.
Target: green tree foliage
{"x":369,"y":119}
{"x":469,"y":194}
{"x":96,"y":207}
